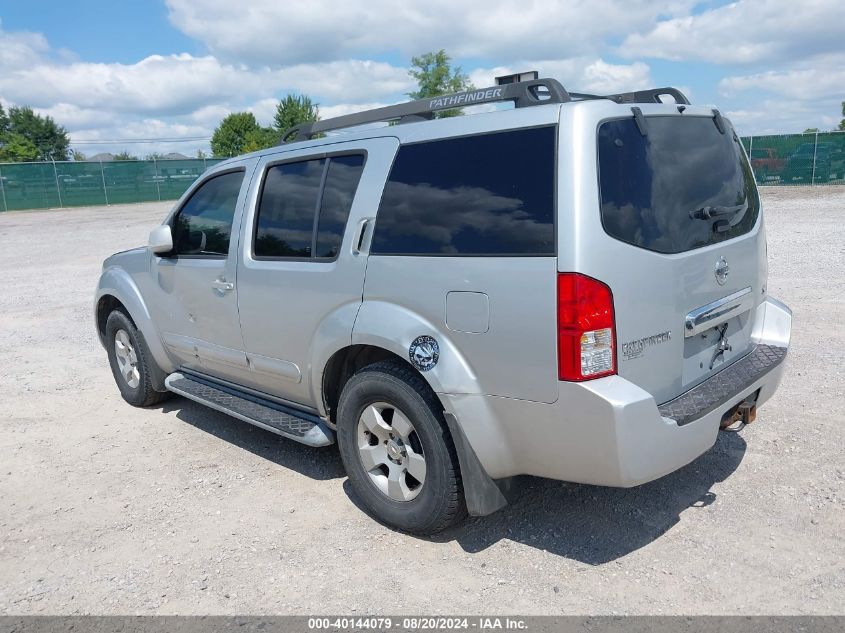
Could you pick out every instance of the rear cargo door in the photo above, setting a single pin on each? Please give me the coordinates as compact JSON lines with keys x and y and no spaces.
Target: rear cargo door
{"x":683,"y":247}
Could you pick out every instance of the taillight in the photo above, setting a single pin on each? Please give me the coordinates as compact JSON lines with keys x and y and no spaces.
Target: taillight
{"x":586,"y":329}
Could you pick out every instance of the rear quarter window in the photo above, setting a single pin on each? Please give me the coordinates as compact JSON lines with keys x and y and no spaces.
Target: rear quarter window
{"x":488,"y":194}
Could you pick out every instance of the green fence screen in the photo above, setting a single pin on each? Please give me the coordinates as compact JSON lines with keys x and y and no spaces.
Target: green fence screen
{"x":797,"y":159}
{"x":780,"y":159}
{"x":79,"y":183}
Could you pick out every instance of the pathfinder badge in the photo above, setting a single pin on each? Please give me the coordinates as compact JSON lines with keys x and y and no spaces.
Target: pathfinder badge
{"x":635,"y":349}
{"x":424,"y":353}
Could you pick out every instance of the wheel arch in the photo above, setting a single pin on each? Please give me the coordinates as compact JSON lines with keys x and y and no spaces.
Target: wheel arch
{"x":117,"y":290}
{"x":481,"y":493}
{"x":105,"y":305}
{"x":344,"y":363}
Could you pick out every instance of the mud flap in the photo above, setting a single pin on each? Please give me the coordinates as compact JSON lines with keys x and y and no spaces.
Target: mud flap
{"x":157,"y":375}
{"x":481,"y":493}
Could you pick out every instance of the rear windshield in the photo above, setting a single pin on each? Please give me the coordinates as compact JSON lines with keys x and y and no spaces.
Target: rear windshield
{"x":682,"y":185}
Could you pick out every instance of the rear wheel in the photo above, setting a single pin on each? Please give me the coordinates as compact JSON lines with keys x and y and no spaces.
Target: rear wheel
{"x":397,"y":450}
{"x":130,"y":361}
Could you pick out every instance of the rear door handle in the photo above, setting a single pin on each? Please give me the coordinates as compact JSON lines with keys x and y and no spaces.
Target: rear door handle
{"x":360,"y":236}
{"x":222,"y":285}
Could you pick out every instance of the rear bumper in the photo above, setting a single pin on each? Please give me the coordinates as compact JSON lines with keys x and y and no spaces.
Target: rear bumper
{"x":722,"y":388}
{"x":610,"y":431}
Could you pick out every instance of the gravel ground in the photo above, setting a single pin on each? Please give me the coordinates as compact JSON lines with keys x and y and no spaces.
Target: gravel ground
{"x":108,"y":509}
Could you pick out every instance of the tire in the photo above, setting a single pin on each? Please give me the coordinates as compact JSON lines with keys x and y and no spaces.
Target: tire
{"x":131,"y":367}
{"x":404,"y":502}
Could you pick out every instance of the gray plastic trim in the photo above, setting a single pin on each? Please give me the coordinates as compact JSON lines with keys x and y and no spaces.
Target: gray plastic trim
{"x":729,"y":384}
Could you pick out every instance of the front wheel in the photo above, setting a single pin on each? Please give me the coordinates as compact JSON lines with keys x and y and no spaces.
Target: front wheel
{"x":397,"y":450}
{"x":130,"y":361}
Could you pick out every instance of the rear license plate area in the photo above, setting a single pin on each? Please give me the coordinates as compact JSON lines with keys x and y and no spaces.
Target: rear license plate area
{"x":712,"y":350}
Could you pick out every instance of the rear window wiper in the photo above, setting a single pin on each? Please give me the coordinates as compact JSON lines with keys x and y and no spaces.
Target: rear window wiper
{"x":710,"y":213}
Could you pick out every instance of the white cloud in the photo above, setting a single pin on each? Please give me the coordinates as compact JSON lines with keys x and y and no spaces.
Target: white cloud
{"x":774,"y":116}
{"x":272,"y":32}
{"x":577,"y":74}
{"x":826,"y":77}
{"x":173,"y":95}
{"x":790,"y":100}
{"x":345,"y":80}
{"x":180,"y":83}
{"x":258,"y":52}
{"x":745,"y":32}
{"x":73,"y":117}
{"x":604,"y":78}
{"x":20,"y":48}
{"x":134,"y":133}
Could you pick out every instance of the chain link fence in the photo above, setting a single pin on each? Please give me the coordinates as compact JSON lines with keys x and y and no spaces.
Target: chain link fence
{"x":816,"y":158}
{"x":79,"y":183}
{"x":779,"y":159}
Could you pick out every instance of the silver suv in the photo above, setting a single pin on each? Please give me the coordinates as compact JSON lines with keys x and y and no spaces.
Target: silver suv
{"x":572,"y":288}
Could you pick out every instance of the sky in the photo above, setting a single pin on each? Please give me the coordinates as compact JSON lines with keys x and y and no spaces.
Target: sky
{"x":159,"y":75}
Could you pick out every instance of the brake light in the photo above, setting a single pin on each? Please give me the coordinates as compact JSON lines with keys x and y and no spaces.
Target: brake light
{"x":586,"y":328}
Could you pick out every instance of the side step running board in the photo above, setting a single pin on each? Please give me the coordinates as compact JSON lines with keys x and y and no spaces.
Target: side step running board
{"x":296,"y":425}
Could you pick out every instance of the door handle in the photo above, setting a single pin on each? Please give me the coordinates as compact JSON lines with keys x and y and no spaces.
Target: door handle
{"x":360,"y":235}
{"x":222,"y":285}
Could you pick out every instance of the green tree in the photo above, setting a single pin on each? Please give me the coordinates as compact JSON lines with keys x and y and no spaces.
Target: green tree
{"x":201,"y":154}
{"x":50,"y":139}
{"x":261,"y":138}
{"x":154,"y":156}
{"x":124,"y":155}
{"x":4,"y":123}
{"x":435,"y":76}
{"x":811,"y":130}
{"x":78,"y":156}
{"x":293,"y":110}
{"x":16,"y":148}
{"x":232,"y":134}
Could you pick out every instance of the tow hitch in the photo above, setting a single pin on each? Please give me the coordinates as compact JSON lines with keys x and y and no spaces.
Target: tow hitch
{"x":741,"y":415}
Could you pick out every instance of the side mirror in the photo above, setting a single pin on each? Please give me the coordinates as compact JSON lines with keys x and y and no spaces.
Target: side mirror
{"x":161,"y":240}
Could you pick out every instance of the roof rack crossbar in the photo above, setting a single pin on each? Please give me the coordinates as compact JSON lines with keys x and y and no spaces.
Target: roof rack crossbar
{"x":645,"y":96}
{"x":523,"y":94}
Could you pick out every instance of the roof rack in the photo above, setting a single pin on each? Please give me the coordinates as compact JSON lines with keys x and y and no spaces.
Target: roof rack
{"x":651,"y":95}
{"x":523,"y":94}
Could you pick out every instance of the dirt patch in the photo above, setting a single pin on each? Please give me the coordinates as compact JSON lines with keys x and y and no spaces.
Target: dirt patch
{"x":179,"y":509}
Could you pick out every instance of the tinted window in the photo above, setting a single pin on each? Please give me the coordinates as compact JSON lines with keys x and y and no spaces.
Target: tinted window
{"x":655,"y":188}
{"x":490,"y":194}
{"x":341,"y":183}
{"x":285,"y":225}
{"x":204,"y":224}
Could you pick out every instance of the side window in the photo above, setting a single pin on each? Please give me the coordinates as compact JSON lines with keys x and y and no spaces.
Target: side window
{"x":203,"y":225}
{"x":341,"y":184}
{"x":285,"y":225}
{"x":489,"y":194}
{"x":285,"y":221}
